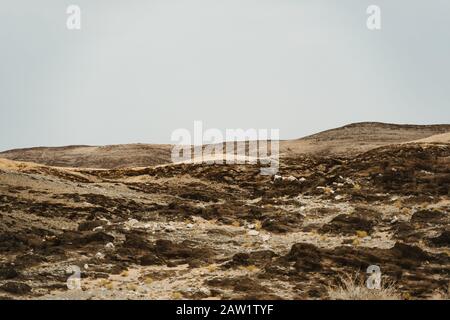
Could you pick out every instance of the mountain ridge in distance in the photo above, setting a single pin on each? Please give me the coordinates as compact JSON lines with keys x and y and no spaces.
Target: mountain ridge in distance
{"x":347,"y":140}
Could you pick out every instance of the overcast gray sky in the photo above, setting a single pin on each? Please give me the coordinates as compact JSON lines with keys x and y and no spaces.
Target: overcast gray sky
{"x":137,"y":70}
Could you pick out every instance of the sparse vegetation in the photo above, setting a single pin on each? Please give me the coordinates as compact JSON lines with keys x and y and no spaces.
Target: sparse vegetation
{"x":176,"y":295}
{"x":353,"y":288}
{"x":361,"y":234}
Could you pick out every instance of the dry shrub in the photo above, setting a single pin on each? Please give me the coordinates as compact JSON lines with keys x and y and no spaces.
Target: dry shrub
{"x":353,"y":288}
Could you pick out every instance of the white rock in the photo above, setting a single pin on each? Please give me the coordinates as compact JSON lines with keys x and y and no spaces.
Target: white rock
{"x":99,"y":256}
{"x":291,"y":179}
{"x":205,"y":291}
{"x":265,"y":237}
{"x":349,"y":181}
{"x":99,"y":228}
{"x":110,"y":246}
{"x":147,"y":226}
{"x":169,"y":228}
{"x":302,"y":179}
{"x":251,"y":226}
{"x":132,"y":223}
{"x":277,"y":178}
{"x":252,"y":233}
{"x":189,"y":226}
{"x":338,"y":197}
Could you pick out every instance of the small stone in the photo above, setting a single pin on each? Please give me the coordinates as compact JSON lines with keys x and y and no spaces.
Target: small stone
{"x":349,"y":181}
{"x":132,"y":223}
{"x":90,"y":225}
{"x":204,"y":291}
{"x":151,"y":259}
{"x":169,"y":228}
{"x":189,"y":226}
{"x":277,"y":179}
{"x":100,"y":228}
{"x":99,"y":256}
{"x":195,"y":263}
{"x":110,"y":246}
{"x":253,"y":233}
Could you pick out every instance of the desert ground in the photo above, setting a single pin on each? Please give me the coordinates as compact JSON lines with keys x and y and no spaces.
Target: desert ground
{"x":139,"y":227}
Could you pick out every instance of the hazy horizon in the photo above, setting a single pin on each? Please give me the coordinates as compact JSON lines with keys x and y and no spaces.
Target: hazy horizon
{"x":136,"y":71}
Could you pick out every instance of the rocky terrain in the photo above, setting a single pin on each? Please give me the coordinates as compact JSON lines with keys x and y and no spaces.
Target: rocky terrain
{"x":196,"y":231}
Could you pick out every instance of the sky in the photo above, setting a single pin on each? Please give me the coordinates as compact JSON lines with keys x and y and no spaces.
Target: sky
{"x":138,"y":70}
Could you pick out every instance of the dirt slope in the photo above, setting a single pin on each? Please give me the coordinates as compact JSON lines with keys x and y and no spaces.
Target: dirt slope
{"x":438,"y":138}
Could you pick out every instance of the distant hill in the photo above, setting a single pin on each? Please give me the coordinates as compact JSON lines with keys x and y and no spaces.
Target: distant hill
{"x":359,"y":137}
{"x":107,"y":157}
{"x":347,"y":140}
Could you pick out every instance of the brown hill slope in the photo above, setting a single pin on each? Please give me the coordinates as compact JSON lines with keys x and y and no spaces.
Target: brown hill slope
{"x":360,"y":137}
{"x":108,"y":157}
{"x":347,"y":140}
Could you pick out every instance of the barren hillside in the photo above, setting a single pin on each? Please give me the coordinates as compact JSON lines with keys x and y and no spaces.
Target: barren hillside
{"x":359,"y":137}
{"x":226,"y":232}
{"x":114,"y":156}
{"x":350,"y":139}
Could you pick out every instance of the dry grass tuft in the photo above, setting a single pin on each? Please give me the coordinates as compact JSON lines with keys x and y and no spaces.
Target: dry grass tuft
{"x":361,"y":234}
{"x":176,"y":296}
{"x":353,"y":288}
{"x":212,"y":267}
{"x":250,"y":268}
{"x":236,"y":224}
